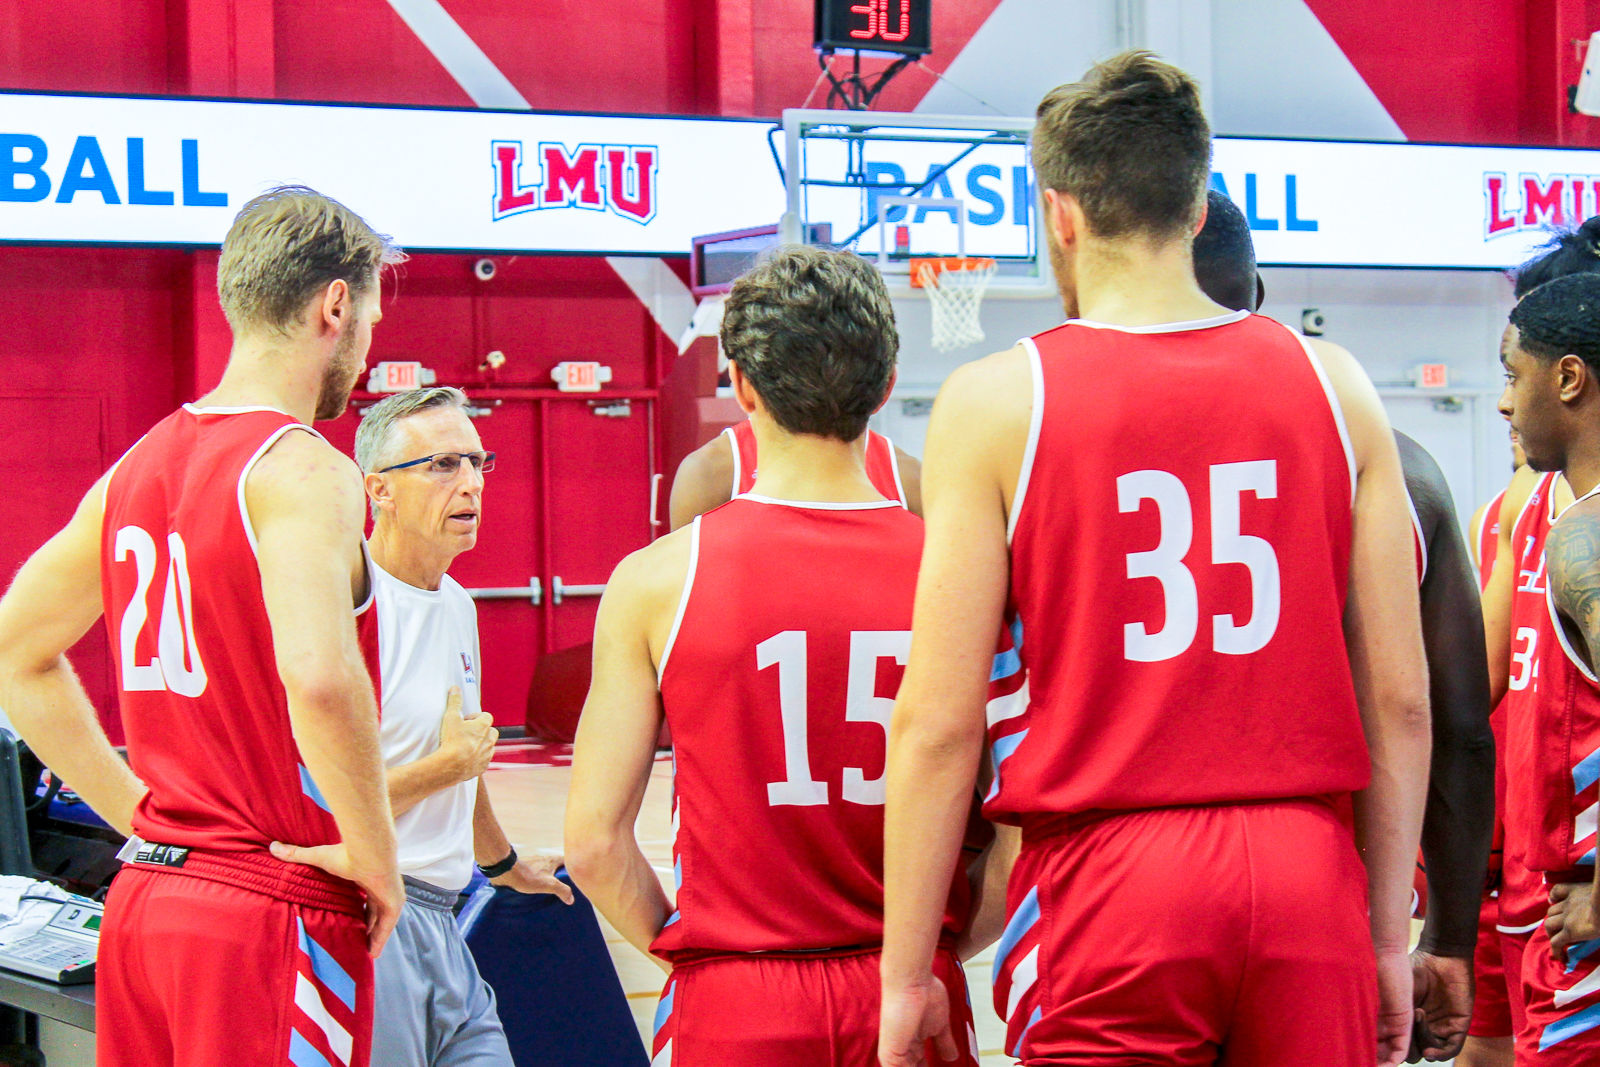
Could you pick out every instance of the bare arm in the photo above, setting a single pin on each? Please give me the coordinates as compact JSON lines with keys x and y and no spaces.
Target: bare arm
{"x":1497,"y":595}
{"x":534,"y":873}
{"x":910,"y":479}
{"x":611,"y":759}
{"x":1459,"y":819}
{"x":936,"y":732}
{"x":1383,"y":634}
{"x":1572,"y":562}
{"x":53,"y":601}
{"x":306,"y":504}
{"x":465,"y":748}
{"x":704,"y":481}
{"x":989,"y":874}
{"x":1479,"y":517}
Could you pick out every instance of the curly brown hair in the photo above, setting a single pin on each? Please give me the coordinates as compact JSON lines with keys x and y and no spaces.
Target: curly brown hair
{"x":813,"y":331}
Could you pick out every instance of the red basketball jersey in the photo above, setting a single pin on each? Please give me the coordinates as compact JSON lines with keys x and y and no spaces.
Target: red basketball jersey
{"x":779,"y":705}
{"x":1552,"y":715}
{"x":205,"y":713}
{"x":1180,"y":551}
{"x":883,"y":467}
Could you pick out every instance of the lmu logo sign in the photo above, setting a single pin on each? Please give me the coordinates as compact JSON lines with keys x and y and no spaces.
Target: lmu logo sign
{"x":1537,"y":201}
{"x":616,"y":178}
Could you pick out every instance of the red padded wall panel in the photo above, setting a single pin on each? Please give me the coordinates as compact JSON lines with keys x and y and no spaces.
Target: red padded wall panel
{"x":105,"y":46}
{"x":356,"y":50}
{"x":91,"y":358}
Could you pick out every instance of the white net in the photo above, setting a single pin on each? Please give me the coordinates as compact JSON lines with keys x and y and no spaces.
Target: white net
{"x":956,"y":296}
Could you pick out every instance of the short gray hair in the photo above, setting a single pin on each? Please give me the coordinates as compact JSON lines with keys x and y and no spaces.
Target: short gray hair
{"x":377,"y":424}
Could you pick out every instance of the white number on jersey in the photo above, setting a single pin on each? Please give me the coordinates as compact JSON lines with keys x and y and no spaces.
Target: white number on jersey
{"x":1175,"y":512}
{"x":787,"y":651}
{"x":1523,"y":668}
{"x":176,"y":666}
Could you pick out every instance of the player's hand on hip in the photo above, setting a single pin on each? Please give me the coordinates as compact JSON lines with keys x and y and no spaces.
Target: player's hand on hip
{"x":1571,"y":918}
{"x":385,"y":892}
{"x":1394,"y":1006}
{"x":1442,"y":993}
{"x":910,"y":1017}
{"x":536,"y":874}
{"x":467,"y":743}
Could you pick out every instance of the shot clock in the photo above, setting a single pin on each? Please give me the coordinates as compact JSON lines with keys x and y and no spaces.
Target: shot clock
{"x":899,"y":26}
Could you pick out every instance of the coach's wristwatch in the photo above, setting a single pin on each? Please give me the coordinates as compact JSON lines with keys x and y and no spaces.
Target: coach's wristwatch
{"x":495,"y":870}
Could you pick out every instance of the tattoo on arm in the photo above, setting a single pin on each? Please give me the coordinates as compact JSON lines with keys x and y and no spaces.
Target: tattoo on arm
{"x":1572,"y":561}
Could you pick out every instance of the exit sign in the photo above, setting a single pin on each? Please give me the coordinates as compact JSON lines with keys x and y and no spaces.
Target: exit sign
{"x":575,"y":376}
{"x":1433,"y":376}
{"x":395,"y":377}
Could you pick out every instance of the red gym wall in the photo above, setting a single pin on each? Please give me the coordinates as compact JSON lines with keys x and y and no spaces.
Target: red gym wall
{"x":100,"y":343}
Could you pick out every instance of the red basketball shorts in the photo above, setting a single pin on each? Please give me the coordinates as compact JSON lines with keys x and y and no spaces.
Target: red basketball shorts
{"x":1563,"y":1005}
{"x":196,"y":972}
{"x":1232,"y":935}
{"x":1491,"y":1005}
{"x":789,"y":1011}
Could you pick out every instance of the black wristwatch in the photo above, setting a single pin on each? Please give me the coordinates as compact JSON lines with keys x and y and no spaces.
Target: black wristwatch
{"x":495,"y":870}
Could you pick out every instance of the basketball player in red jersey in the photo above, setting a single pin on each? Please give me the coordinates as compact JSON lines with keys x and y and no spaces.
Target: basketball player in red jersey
{"x":1459,"y":822}
{"x":1527,"y":509}
{"x":725,"y":466}
{"x":770,"y":632}
{"x":1212,"y":570}
{"x":1551,"y":353}
{"x":224,"y":550}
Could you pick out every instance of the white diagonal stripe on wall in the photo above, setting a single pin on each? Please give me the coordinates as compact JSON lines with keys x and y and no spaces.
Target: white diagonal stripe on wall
{"x":459,"y":54}
{"x":662,"y":292}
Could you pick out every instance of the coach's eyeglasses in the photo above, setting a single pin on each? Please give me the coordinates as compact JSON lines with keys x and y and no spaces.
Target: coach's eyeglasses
{"x":446,"y":465}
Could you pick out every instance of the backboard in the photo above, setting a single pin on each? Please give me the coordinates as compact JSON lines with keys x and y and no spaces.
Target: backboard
{"x":894,"y":186}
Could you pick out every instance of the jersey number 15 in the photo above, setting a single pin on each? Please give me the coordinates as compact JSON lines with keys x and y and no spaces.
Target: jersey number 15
{"x":787,"y":651}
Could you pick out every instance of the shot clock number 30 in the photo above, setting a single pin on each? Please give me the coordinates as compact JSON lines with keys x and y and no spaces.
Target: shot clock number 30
{"x":900,"y":26}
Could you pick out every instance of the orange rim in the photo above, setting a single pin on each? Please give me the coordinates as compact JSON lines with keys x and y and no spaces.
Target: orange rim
{"x":940,"y":264}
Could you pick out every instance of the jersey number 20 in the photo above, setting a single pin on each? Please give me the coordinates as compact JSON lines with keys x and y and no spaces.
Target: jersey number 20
{"x":787,"y":651}
{"x":176,"y":666}
{"x":1229,"y":481}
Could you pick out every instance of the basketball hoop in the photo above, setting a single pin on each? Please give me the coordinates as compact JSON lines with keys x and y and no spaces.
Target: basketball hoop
{"x":955,"y":286}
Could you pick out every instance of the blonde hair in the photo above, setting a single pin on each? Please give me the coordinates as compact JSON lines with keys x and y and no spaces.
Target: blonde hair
{"x":1130,"y":143}
{"x":285,"y":246}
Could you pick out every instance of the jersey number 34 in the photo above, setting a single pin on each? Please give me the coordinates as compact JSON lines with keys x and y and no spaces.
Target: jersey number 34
{"x":176,"y":667}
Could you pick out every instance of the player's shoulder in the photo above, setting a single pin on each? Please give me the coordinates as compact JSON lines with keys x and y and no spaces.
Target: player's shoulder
{"x":301,"y":449}
{"x":702,"y":480}
{"x":997,"y":384}
{"x":1337,"y":362}
{"x":1425,"y":481}
{"x":653,"y":576}
{"x":1517,"y":492}
{"x":301,"y":468}
{"x":711,"y":462}
{"x":1572,"y":550}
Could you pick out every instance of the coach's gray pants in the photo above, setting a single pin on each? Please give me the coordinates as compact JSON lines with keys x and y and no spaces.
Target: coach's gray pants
{"x":432,"y":1007}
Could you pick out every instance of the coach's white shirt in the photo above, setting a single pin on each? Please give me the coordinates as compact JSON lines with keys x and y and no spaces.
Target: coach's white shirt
{"x":427,"y":642}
